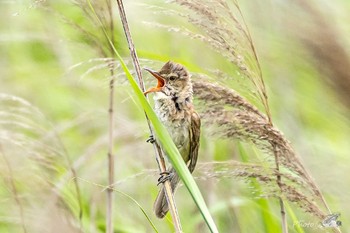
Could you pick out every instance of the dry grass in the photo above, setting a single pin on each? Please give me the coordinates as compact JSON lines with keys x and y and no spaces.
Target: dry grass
{"x":232,"y":116}
{"x":235,"y":118}
{"x":227,"y":33}
{"x":224,"y":110}
{"x":39,"y":155}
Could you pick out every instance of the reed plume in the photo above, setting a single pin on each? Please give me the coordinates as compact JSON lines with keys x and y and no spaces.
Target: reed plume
{"x":223,"y":27}
{"x":228,"y":34}
{"x":234,"y":118}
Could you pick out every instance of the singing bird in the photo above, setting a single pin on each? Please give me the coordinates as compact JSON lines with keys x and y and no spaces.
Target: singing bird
{"x":174,"y":108}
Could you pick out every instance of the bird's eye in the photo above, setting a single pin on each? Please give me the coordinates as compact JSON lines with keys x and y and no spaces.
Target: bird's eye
{"x":172,"y":78}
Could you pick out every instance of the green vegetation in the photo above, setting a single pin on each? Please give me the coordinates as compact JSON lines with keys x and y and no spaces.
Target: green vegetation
{"x":55,"y":69}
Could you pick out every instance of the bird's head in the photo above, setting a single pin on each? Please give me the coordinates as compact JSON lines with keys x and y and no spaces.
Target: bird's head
{"x":173,"y":80}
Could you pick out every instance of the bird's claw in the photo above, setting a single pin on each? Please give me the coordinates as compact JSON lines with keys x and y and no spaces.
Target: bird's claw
{"x":164,"y":176}
{"x":151,"y":139}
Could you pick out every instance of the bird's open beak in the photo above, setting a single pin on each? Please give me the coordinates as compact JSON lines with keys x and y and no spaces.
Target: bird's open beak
{"x":160,"y":83}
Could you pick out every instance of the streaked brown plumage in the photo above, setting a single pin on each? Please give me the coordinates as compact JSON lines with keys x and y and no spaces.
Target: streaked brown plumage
{"x":173,"y":105}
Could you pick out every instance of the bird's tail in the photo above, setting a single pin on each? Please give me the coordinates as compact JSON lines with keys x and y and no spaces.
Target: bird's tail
{"x":161,"y":206}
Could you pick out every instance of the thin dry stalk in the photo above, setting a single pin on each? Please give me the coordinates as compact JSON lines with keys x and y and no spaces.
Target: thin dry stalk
{"x":109,"y":219}
{"x":109,"y":209}
{"x":157,"y":149}
{"x":279,"y":183}
{"x":282,"y":209}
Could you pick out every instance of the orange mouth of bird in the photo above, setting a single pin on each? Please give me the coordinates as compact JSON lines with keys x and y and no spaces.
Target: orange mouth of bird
{"x":160,"y":84}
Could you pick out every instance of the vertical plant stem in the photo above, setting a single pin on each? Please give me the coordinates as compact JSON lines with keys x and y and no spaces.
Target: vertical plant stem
{"x":157,"y":149}
{"x":279,"y":183}
{"x":109,"y":219}
{"x":284,"y":217}
{"x":264,"y":98}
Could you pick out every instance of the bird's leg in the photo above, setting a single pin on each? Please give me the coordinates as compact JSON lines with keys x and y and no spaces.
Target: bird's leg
{"x":151,"y":139}
{"x":164,"y":176}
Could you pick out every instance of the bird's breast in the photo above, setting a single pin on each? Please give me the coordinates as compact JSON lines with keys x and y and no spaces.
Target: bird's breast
{"x":176,"y":121}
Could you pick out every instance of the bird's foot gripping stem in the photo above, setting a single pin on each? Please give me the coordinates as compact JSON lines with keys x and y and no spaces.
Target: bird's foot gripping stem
{"x":151,"y":139}
{"x":164,"y":176}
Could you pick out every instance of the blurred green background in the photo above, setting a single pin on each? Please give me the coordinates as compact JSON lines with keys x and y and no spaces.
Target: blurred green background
{"x":54,"y":59}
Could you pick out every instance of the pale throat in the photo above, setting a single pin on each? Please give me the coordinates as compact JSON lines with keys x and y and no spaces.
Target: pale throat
{"x":174,"y":105}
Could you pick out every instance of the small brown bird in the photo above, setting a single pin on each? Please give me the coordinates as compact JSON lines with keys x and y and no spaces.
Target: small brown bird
{"x":174,"y":108}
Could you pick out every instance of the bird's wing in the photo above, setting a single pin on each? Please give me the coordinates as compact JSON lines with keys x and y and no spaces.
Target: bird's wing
{"x":194,"y":139}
